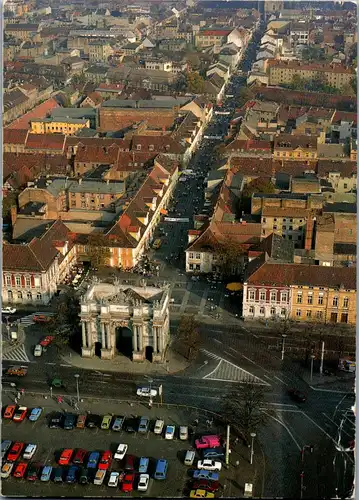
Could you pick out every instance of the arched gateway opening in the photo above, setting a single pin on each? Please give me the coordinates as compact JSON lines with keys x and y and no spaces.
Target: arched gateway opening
{"x":124,"y":341}
{"x":149,"y":353}
{"x":98,"y":347}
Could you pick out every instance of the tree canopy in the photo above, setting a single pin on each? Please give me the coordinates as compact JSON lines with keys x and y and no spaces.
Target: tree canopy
{"x":194,"y":82}
{"x":188,"y":337}
{"x":98,"y":250}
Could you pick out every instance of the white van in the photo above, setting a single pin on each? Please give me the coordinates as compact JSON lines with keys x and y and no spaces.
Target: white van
{"x":100,"y":476}
{"x":158,"y":427}
{"x":189,"y":458}
{"x":38,"y":351}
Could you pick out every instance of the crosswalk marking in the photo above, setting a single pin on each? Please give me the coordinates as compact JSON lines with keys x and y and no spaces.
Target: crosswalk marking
{"x":16,"y":354}
{"x":28,"y":320}
{"x":229,"y":372}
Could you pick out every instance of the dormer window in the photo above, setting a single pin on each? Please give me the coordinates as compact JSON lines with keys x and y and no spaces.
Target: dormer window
{"x":138,"y":147}
{"x":151,"y":147}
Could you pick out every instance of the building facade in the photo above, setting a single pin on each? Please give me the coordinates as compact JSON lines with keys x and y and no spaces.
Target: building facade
{"x":133,"y":321}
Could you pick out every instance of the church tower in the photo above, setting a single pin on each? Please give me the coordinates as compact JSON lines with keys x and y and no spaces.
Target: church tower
{"x":273,"y":6}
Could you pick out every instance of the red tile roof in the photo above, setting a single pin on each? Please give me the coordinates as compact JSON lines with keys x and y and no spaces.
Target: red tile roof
{"x":55,"y":142}
{"x":333,"y":68}
{"x":252,"y":145}
{"x":14,"y":136}
{"x":39,"y":112}
{"x":214,"y":33}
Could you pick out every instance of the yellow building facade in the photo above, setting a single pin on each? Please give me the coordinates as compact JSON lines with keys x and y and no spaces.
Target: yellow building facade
{"x":68,"y":127}
{"x":323,"y":304}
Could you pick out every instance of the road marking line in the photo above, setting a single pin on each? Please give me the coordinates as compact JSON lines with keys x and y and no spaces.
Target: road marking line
{"x":286,"y":428}
{"x":219,"y":342}
{"x":231,"y":348}
{"x":209,"y":374}
{"x":280,"y":380}
{"x":345,"y":432}
{"x":328,"y":390}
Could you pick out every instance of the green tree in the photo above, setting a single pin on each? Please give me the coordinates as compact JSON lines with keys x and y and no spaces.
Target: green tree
{"x":229,"y":254}
{"x":64,"y":325}
{"x":243,"y":409}
{"x":259,"y":185}
{"x":188,"y":337}
{"x":194,"y":82}
{"x":297,"y":83}
{"x":98,"y":250}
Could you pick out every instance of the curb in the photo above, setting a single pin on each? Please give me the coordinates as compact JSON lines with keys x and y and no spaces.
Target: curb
{"x":329,"y":390}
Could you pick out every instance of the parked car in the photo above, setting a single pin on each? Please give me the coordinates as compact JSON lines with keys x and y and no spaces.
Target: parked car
{"x":143,"y":465}
{"x":41,"y":318}
{"x":99,"y":477}
{"x":5,"y":445}
{"x":106,"y":422}
{"x":214,"y":453}
{"x":127,"y":483}
{"x":93,"y":460}
{"x":30,"y":451}
{"x":118,"y":423}
{"x":83,"y":475}
{"x":130,"y":463}
{"x":183,"y":432}
{"x":105,"y":461}
{"x":20,"y":414}
{"x":81,"y":421}
{"x":211,"y":441}
{"x":121,"y":451}
{"x":20,"y":469}
{"x":205,"y":484}
{"x":35,"y":414}
{"x":72,"y":474}
{"x":8,"y":310}
{"x":131,"y":425}
{"x":146,"y":392}
{"x":113,"y":480}
{"x":15,"y":451}
{"x":201,"y":494}
{"x":79,"y":457}
{"x":58,"y":475}
{"x":6,"y":469}
{"x":33,"y":472}
{"x":170,"y":432}
{"x":9,"y":411}
{"x":209,"y":465}
{"x":46,"y":473}
{"x":143,"y":425}
{"x":66,"y":456}
{"x":46,"y":341}
{"x":159,"y":424}
{"x":143,"y":482}
{"x":70,"y":421}
{"x":38,"y":351}
{"x":298,"y":396}
{"x":92,"y":421}
{"x":56,"y":421}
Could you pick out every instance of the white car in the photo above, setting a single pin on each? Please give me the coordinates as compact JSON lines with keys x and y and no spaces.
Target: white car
{"x":6,"y":469}
{"x":146,"y":392}
{"x":114,"y":477}
{"x":121,"y":451}
{"x":159,"y":424}
{"x":183,"y":432}
{"x":8,"y":310}
{"x":38,"y":351}
{"x":143,"y":482}
{"x":209,"y":465}
{"x":170,"y":432}
{"x":29,"y":451}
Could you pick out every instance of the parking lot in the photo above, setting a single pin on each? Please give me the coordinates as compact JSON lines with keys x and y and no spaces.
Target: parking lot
{"x":51,"y":442}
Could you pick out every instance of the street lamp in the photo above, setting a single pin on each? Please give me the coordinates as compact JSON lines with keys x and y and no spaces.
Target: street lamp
{"x":150,"y":380}
{"x":77,"y":386}
{"x":312,"y":357}
{"x":283,"y":343}
{"x":253,"y":435}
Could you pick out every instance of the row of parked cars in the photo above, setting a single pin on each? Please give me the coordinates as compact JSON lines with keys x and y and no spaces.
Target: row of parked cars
{"x":19,"y":413}
{"x":142,"y":425}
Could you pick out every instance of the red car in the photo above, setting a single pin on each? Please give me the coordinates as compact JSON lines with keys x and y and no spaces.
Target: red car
{"x":204,"y":484}
{"x":20,"y":414}
{"x":47,"y":340}
{"x":79,"y":456}
{"x":41,"y":318}
{"x":127,"y":482}
{"x":15,"y":451}
{"x":20,"y":469}
{"x":9,"y":411}
{"x":105,"y":461}
{"x":65,"y":457}
{"x":298,"y":396}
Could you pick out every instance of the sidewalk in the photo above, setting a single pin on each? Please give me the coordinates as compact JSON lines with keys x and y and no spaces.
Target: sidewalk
{"x":342,"y":382}
{"x":175,"y":363}
{"x":7,"y":346}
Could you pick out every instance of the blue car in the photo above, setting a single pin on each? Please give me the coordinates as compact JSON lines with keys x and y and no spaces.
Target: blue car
{"x":46,"y":473}
{"x":72,"y":474}
{"x":143,"y":466}
{"x":93,"y":460}
{"x":206,"y":474}
{"x":35,"y":414}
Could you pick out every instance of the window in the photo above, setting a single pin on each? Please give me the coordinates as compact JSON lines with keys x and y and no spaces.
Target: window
{"x":310,"y":298}
{"x":320,"y":299}
{"x":345,"y":186}
{"x":283,"y":297}
{"x":319,"y":314}
{"x":8,"y":280}
{"x":18,"y":281}
{"x":251,"y":310}
{"x":283,"y":312}
{"x":262,"y":311}
{"x":191,"y":255}
{"x":29,"y":296}
{"x":38,"y":296}
{"x":262,"y":295}
{"x":309,"y":314}
{"x":9,"y":295}
{"x":283,"y":228}
{"x":19,"y":295}
{"x":299,"y":297}
{"x":290,"y":228}
{"x":27,"y":281}
{"x":274,"y":227}
{"x":191,"y":267}
{"x":264,"y":219}
{"x":272,"y":311}
{"x":251,"y":295}
{"x":335,"y":301}
{"x":298,"y":313}
{"x":345,"y":302}
{"x":273,"y":296}
{"x":198,"y":255}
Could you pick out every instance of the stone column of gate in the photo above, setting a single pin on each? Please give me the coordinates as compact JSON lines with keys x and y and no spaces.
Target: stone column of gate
{"x":154,"y":334}
{"x":84,"y":339}
{"x":103,"y":334}
{"x":140,"y":337}
{"x":134,"y":338}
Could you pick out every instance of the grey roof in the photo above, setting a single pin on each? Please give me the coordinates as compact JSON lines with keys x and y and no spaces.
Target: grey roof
{"x":344,"y":208}
{"x":73,"y":113}
{"x":282,"y":250}
{"x":93,"y":186}
{"x":345,"y":248}
{"x":75,"y":121}
{"x":122,"y":103}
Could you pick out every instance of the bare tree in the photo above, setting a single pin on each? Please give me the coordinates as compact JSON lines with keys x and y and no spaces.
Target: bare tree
{"x":98,"y":250}
{"x":188,"y":337}
{"x":229,"y":256}
{"x":243,"y":409}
